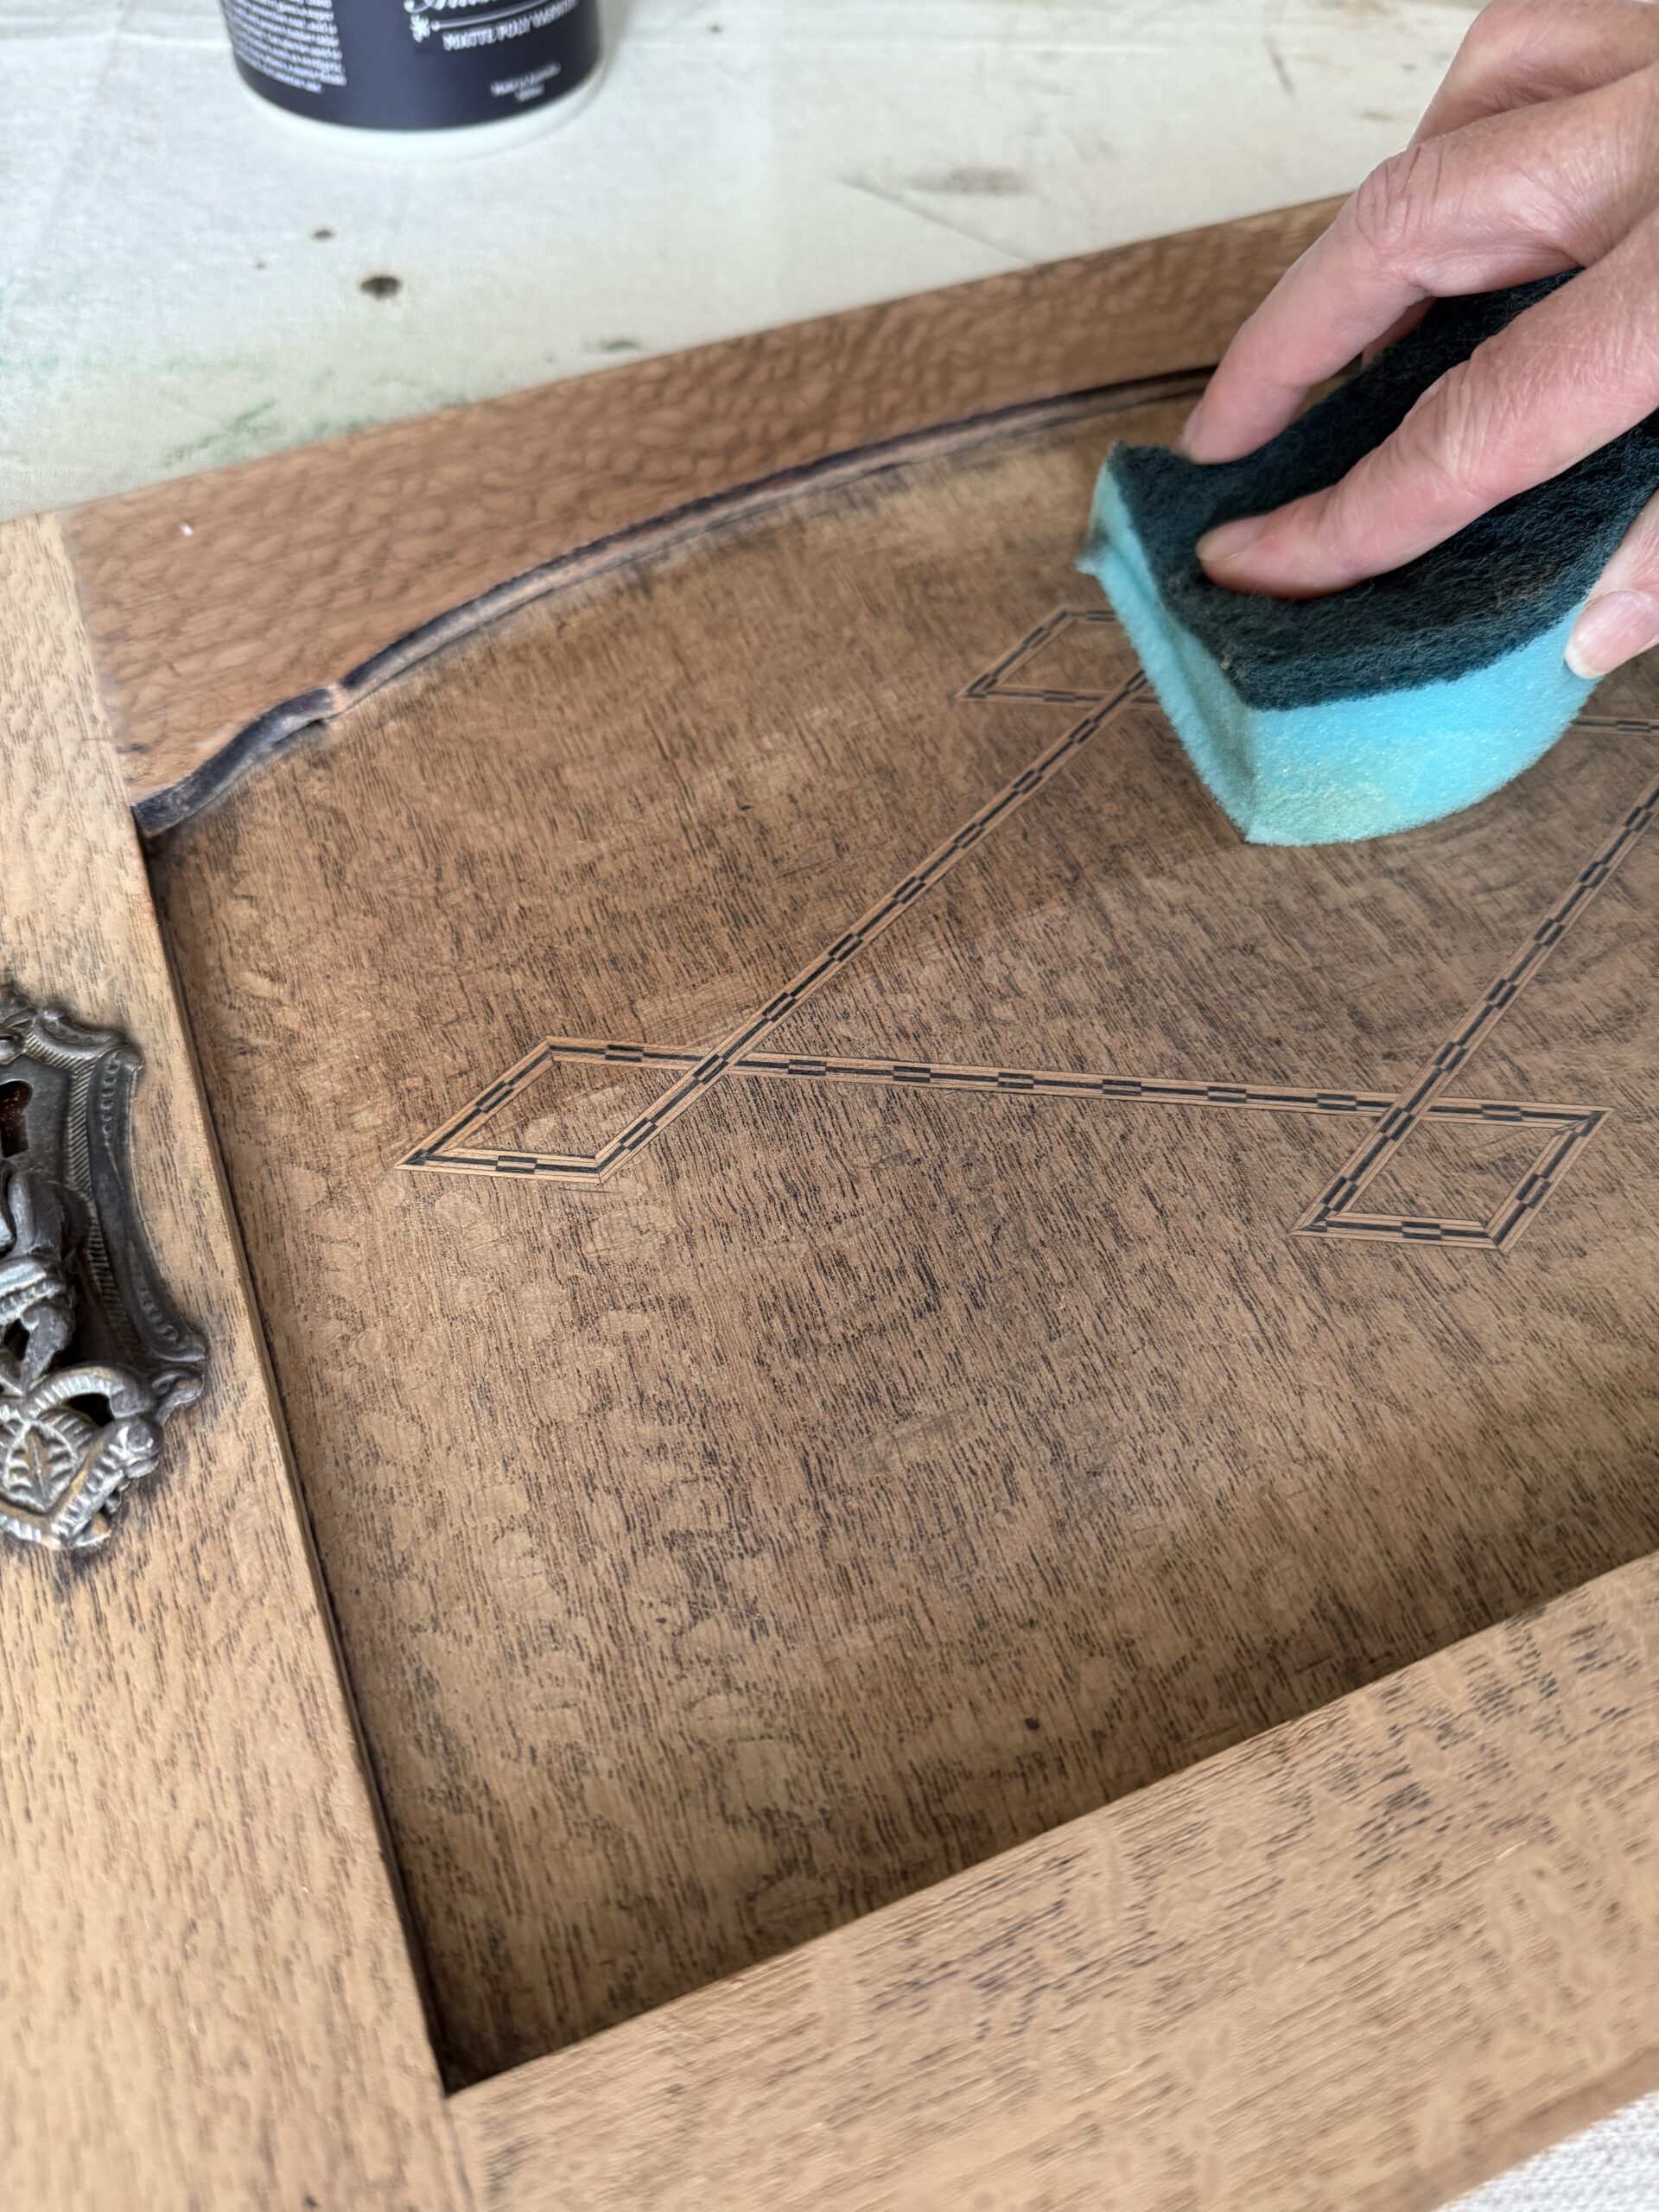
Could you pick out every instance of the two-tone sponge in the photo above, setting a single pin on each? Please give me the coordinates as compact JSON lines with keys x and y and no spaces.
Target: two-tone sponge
{"x":1400,"y":699}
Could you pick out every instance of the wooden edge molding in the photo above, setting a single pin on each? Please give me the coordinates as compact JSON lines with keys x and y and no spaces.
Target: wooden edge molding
{"x":1367,"y":1960}
{"x":210,"y":598}
{"x":206,"y":1996}
{"x":269,"y":733}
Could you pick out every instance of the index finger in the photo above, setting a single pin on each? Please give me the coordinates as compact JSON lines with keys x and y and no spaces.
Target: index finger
{"x":1565,"y":377}
{"x":1519,"y":51}
{"x":1499,"y":203}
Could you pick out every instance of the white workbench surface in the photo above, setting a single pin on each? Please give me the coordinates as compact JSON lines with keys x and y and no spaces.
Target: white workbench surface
{"x":181,"y":283}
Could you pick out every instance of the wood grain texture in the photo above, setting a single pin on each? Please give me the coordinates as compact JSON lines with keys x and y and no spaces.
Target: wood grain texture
{"x":1367,"y":1960}
{"x":205,"y":1999}
{"x":872,"y":1476}
{"x":297,"y":568}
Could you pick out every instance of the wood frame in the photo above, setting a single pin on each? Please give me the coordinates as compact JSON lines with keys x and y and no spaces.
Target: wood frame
{"x":1369,"y":1958}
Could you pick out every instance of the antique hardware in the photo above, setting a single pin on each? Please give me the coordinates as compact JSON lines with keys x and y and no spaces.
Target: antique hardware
{"x":94,"y":1358}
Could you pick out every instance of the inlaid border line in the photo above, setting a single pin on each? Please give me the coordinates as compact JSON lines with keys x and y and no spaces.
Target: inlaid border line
{"x":1331,"y":1213}
{"x":1104,"y":1086}
{"x":433,"y":1152}
{"x":1574,"y":1126}
{"x":1512,"y":1214}
{"x":993,"y":683}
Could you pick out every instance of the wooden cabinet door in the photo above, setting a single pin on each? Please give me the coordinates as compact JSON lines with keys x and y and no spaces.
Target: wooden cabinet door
{"x":838,"y":1593}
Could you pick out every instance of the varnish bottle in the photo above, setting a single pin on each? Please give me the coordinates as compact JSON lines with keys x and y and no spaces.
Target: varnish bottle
{"x":418,"y":76}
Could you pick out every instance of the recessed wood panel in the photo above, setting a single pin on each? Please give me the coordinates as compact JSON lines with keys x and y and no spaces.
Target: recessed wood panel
{"x":911,"y":1318}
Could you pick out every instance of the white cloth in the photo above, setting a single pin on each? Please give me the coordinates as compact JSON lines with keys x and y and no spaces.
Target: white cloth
{"x":1610,"y":2168}
{"x":168,"y":300}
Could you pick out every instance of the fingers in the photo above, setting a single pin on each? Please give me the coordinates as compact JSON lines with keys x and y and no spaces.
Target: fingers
{"x":1519,"y":50}
{"x":1622,"y":617}
{"x":1513,"y":197}
{"x":1561,"y":380}
{"x":1401,"y":327}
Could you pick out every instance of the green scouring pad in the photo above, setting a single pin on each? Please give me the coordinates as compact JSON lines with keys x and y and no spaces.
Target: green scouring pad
{"x":1400,"y":699}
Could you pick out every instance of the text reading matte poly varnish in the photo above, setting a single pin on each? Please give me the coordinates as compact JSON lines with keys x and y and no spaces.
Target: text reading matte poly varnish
{"x":408,"y":67}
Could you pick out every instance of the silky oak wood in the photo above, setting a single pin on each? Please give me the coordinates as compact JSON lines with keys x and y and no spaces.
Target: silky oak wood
{"x":210,"y":598}
{"x":646,"y":1711}
{"x":869,"y":1476}
{"x":206,"y":1994}
{"x":1368,"y":1959}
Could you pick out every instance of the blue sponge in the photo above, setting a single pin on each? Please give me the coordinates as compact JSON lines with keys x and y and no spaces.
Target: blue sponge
{"x":1403,"y":698}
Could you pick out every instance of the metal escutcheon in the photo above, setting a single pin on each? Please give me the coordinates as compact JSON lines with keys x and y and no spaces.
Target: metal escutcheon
{"x":94,"y":1358}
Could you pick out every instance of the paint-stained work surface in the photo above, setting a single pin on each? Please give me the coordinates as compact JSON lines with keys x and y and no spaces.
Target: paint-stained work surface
{"x":801,"y":159}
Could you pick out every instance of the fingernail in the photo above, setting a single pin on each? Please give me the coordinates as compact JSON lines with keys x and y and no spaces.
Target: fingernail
{"x":1615,"y":625}
{"x":1190,"y":429}
{"x":1220,"y":549}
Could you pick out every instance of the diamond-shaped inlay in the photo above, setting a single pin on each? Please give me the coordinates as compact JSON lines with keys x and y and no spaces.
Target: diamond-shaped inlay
{"x":1058,"y":646}
{"x":1336,"y":1211}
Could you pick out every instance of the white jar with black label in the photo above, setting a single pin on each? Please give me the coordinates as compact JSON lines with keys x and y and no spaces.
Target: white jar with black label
{"x":417,"y":76}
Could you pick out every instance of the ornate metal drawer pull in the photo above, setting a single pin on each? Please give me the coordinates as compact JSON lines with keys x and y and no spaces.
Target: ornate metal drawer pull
{"x":93,"y":1355}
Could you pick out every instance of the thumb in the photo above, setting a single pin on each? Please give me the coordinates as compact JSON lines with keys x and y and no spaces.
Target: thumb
{"x":1621,"y":616}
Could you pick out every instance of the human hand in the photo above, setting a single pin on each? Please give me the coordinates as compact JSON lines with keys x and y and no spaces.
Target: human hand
{"x":1539,"y":153}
